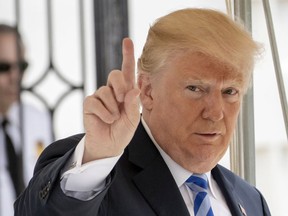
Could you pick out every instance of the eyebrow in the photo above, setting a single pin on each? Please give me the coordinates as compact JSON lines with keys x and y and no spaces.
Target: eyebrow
{"x":236,"y":81}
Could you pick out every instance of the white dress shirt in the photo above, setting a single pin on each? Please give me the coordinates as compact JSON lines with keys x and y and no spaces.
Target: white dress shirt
{"x":83,"y":182}
{"x":36,"y":136}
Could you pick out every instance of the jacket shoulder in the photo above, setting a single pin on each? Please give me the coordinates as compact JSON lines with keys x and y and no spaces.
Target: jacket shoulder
{"x":235,"y":180}
{"x":247,"y":194}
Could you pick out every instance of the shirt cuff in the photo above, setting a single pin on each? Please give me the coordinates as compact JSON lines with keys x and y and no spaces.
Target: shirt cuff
{"x":86,"y":177}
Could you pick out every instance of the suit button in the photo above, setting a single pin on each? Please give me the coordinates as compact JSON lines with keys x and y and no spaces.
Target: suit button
{"x":47,"y":188}
{"x":41,"y":194}
{"x":45,"y":191}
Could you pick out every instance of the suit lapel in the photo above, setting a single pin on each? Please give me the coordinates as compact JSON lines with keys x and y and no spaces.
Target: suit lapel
{"x":227,"y":189}
{"x":155,"y":181}
{"x":157,"y":185}
{"x":160,"y":190}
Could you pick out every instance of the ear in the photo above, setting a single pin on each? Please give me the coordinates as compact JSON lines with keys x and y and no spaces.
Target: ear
{"x":144,"y":84}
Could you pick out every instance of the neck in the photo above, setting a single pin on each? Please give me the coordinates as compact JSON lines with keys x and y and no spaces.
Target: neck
{"x":4,"y":108}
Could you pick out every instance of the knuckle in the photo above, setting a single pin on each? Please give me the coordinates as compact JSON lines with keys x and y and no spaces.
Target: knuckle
{"x":87,"y":100}
{"x":103,"y":91}
{"x":114,"y":74}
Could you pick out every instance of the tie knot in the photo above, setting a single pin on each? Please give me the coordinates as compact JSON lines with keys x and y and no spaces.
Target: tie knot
{"x":197,"y":182}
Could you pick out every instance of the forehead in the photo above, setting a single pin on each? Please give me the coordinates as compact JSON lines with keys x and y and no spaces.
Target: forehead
{"x":8,"y":46}
{"x":203,"y":67}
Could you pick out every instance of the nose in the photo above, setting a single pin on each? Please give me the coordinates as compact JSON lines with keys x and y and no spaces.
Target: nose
{"x":15,"y":71}
{"x":15,"y":74}
{"x":213,"y":109}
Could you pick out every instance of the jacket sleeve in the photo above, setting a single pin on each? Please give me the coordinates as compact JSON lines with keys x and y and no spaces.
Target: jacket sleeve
{"x":43,"y":196}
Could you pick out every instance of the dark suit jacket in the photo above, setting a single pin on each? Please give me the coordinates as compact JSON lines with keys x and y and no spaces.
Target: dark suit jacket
{"x":139,"y":185}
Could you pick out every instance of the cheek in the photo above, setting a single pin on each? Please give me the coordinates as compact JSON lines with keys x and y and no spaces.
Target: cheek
{"x":3,"y":84}
{"x":231,"y":120}
{"x":2,"y":79}
{"x":175,"y":108}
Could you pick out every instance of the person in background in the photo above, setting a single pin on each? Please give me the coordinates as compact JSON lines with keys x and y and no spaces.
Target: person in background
{"x":24,"y":130}
{"x":194,"y":70}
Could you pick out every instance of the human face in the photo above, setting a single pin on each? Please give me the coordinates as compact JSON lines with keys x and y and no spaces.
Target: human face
{"x":9,"y":81}
{"x":191,"y":108}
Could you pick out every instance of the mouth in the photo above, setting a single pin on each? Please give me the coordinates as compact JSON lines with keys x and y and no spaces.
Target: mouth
{"x":208,"y":136}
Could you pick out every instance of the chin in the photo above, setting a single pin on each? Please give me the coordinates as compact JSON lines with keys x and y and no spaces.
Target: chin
{"x":201,"y":163}
{"x":202,"y":167}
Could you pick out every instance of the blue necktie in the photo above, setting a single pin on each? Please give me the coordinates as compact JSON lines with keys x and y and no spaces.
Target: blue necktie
{"x":198,"y":185}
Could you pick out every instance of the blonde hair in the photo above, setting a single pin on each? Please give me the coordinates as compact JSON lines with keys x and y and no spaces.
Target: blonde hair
{"x":206,"y":31}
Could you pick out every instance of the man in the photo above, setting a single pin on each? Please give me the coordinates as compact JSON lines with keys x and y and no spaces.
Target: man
{"x":194,"y":70}
{"x":24,"y":130}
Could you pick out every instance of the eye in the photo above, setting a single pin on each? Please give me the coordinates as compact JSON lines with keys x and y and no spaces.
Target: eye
{"x":193,"y":88}
{"x":230,"y":91}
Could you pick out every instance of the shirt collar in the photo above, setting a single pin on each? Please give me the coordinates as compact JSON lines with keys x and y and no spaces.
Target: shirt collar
{"x":13,"y":115}
{"x":178,"y":172}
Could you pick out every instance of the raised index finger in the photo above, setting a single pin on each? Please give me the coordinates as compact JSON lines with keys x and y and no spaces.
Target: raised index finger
{"x":128,"y":62}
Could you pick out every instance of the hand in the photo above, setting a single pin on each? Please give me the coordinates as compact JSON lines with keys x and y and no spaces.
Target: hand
{"x":111,"y":114}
